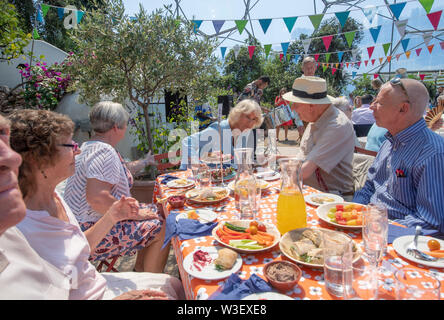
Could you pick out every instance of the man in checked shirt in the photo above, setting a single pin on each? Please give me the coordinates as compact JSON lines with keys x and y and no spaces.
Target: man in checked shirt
{"x":407,"y":175}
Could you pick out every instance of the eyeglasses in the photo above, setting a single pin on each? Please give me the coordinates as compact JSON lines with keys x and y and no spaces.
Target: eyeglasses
{"x":251,"y":119}
{"x":397,"y":82}
{"x":74,"y":146}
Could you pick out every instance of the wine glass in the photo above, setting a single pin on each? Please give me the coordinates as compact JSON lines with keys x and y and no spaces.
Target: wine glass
{"x":375,"y":232}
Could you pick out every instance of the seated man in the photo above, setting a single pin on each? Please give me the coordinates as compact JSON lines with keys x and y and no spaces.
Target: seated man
{"x":407,"y":175}
{"x":363,"y":115}
{"x":328,"y":142}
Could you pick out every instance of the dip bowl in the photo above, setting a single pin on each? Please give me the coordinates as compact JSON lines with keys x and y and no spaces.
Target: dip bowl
{"x":176,"y":201}
{"x":280,"y":278}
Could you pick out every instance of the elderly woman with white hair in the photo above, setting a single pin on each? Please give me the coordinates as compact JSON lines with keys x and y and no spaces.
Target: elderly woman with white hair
{"x":101,"y":178}
{"x":343,"y":104}
{"x":244,"y":117}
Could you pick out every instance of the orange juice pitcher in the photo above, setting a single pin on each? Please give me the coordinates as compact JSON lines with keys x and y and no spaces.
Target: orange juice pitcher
{"x":291,"y":211}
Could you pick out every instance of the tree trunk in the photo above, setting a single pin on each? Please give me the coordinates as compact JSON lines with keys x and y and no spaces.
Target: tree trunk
{"x":148,"y":126}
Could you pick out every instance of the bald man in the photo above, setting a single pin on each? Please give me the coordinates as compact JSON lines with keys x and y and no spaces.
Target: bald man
{"x":407,"y":175}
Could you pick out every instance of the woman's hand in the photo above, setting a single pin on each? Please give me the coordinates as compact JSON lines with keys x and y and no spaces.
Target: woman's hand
{"x":126,"y":208}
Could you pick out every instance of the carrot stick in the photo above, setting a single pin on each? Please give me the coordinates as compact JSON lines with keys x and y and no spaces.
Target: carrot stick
{"x":436,"y":253}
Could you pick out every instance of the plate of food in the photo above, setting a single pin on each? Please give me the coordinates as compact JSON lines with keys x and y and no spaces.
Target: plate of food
{"x":268,"y":175}
{"x":228,"y":174}
{"x":212,"y":263}
{"x":246,"y":236}
{"x":264,"y":185}
{"x":180,"y":183}
{"x":317,"y":199}
{"x":429,"y":245}
{"x":202,"y":215}
{"x":215,"y":157}
{"x":347,"y":215}
{"x":267,"y":296}
{"x":208,"y":195}
{"x":304,"y":246}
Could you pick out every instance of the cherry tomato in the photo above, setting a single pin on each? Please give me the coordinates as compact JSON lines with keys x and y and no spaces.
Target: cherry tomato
{"x":253,"y":230}
{"x":254,"y":223}
{"x":433,"y":245}
{"x":262,"y":227}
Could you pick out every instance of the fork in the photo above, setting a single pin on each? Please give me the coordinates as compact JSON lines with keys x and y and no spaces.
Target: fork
{"x":412,"y":249}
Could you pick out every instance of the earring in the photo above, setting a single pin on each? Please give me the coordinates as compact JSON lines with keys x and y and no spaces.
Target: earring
{"x":44,"y":175}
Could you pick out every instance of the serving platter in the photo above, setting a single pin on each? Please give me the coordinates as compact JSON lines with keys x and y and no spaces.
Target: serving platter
{"x":323,"y":210}
{"x":180,"y":183}
{"x":264,"y":185}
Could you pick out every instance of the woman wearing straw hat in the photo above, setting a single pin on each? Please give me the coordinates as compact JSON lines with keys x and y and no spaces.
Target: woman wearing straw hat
{"x":328,"y":142}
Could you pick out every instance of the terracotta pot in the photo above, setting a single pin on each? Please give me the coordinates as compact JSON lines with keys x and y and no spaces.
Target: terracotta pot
{"x":143,"y":190}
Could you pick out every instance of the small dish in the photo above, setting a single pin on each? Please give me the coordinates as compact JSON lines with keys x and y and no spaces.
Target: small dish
{"x":176,"y":201}
{"x":204,"y":216}
{"x":317,"y":199}
{"x":282,"y":266}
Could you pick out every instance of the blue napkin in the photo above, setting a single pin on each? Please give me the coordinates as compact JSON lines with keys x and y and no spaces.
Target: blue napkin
{"x":235,"y":288}
{"x":186,"y":228}
{"x":167,"y":178}
{"x":395,"y":231}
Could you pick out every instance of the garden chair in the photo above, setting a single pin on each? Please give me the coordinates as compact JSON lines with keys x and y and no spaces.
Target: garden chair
{"x":164,"y":167}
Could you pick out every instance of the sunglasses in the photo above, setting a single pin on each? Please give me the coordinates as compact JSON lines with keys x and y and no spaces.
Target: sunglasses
{"x":74,"y":146}
{"x":397,"y":82}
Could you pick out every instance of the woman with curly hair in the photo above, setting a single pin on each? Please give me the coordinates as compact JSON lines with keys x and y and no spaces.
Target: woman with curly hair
{"x":44,"y":141}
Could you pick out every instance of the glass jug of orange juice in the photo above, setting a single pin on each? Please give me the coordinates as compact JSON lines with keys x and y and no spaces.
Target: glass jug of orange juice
{"x":291,"y":212}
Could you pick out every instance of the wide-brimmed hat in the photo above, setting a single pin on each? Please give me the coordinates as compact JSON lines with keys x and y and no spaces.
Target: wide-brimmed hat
{"x":309,"y":90}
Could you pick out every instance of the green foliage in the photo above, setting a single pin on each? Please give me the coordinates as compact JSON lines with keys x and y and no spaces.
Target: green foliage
{"x":363,"y":85}
{"x":12,"y":38}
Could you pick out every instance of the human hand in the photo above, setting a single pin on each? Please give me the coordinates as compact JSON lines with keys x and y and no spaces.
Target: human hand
{"x":437,"y":125}
{"x":149,"y":159}
{"x":147,"y":294}
{"x":126,"y":208}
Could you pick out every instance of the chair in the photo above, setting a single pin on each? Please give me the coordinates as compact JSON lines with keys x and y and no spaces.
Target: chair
{"x":362,"y":161}
{"x":362,"y":129}
{"x":365,"y":151}
{"x":109,"y":263}
{"x":164,"y":167}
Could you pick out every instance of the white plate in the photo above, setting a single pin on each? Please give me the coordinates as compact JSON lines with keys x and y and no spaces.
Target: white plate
{"x":210,"y":272}
{"x":311,"y":198}
{"x":322,"y":211}
{"x":180,"y":183}
{"x":264,"y":185}
{"x":268,"y":175}
{"x":400,"y":245}
{"x":271,"y":229}
{"x":267,"y":296}
{"x":205,"y":216}
{"x":189,"y":195}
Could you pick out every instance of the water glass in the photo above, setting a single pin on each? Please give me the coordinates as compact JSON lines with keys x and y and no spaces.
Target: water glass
{"x":248,"y":200}
{"x":204,"y":176}
{"x":195,"y":170}
{"x":416,"y":284}
{"x":336,"y":247}
{"x":375,"y":232}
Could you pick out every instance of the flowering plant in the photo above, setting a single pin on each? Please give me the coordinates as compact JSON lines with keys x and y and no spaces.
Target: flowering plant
{"x":44,"y":86}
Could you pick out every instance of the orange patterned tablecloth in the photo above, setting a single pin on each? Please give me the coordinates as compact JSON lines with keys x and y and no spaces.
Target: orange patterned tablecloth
{"x":311,"y":285}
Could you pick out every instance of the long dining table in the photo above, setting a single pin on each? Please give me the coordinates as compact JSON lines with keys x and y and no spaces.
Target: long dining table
{"x":311,"y":285}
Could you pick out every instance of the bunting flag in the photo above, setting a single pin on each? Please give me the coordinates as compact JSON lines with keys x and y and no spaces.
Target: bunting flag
{"x":45,"y":9}
{"x":430,"y":48}
{"x":196,"y":24}
{"x":39,"y":16}
{"x":265,"y":23}
{"x":427,"y":4}
{"x":380,"y":60}
{"x":401,"y":25}
{"x":427,"y":37}
{"x":281,"y":55}
{"x":217,"y":24}
{"x":306,"y":44}
{"x":316,"y":56}
{"x":350,"y":36}
{"x":327,"y":41}
{"x":347,"y":64}
{"x":373,"y":62}
{"x":316,"y":20}
{"x":324,"y":67}
{"x":397,"y":9}
{"x":333,"y":70}
{"x":61,"y":13}
{"x":370,"y":51}
{"x":284,"y":46}
{"x":370,"y":13}
{"x":418,"y":52}
{"x":289,"y":22}
{"x":397,"y":56}
{"x":267,"y":49}
{"x":240,"y":24}
{"x":442,"y":45}
{"x":366,"y":62}
{"x":342,"y":17}
{"x":405,"y":43}
{"x":35,"y":34}
{"x":340,"y":54}
{"x":354,"y":73}
{"x":296,"y":58}
{"x":422,"y":76}
{"x":389,"y":58}
{"x":223,"y":50}
{"x":375,"y":32}
{"x":434,"y":18}
{"x":359,"y":64}
{"x":327,"y":57}
{"x":251,"y":51}
{"x":407,"y":54}
{"x":80,"y":16}
{"x":375,"y":76}
{"x":386,"y":47}
{"x":237,"y":48}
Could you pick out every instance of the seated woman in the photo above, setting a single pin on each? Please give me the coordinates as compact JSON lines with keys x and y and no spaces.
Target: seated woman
{"x":246,"y":115}
{"x":44,"y":140}
{"x":101,"y":178}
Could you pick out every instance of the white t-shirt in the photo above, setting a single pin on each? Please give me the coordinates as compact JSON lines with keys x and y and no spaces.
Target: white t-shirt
{"x":98,"y":160}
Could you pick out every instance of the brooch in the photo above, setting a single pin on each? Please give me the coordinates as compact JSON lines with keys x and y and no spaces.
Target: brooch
{"x":400,"y":173}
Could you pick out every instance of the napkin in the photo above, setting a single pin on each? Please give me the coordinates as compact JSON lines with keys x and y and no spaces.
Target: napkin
{"x":167,"y":178}
{"x":186,"y":228}
{"x":395,"y":231}
{"x":234,"y":288}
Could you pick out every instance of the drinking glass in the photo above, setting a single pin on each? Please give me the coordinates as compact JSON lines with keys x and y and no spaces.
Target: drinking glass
{"x":336,"y":247}
{"x":416,"y":284}
{"x":195,"y":170}
{"x":204,"y":176}
{"x":374,"y":232}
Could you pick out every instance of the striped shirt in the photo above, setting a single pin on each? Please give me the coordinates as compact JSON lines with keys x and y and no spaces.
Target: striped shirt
{"x":407,"y":176}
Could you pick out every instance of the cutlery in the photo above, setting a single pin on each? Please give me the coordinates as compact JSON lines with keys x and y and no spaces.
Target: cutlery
{"x":412,"y":248}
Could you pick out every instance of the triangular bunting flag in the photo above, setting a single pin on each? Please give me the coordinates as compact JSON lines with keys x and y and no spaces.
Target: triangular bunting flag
{"x":284,"y":46}
{"x":427,"y":37}
{"x":442,"y":45}
{"x":327,"y":41}
{"x":45,"y":9}
{"x":354,"y":73}
{"x":240,"y":24}
{"x":237,"y":48}
{"x":251,"y":51}
{"x":289,"y":22}
{"x":316,"y":20}
{"x":397,"y":56}
{"x":316,"y":57}
{"x":434,"y":18}
{"x":296,"y":58}
{"x":342,"y":17}
{"x":422,"y":76}
{"x":349,"y":36}
{"x":306,"y":44}
{"x":430,"y":48}
{"x":370,"y":51}
{"x":340,"y":54}
{"x":196,"y":24}
{"x":397,"y":9}
{"x":359,"y":64}
{"x":324,"y":67}
{"x":427,"y":4}
{"x":333,"y":70}
{"x":375,"y":33}
{"x":364,"y":75}
{"x":265,"y":23}
{"x":80,"y":15}
{"x":223,"y":50}
{"x":401,"y":25}
{"x":389,"y":58}
{"x":217,"y":24}
{"x":375,"y":76}
{"x":281,"y":55}
{"x":373,"y":62}
{"x":61,"y":13}
{"x":35,"y":34}
{"x":407,"y":54}
{"x":386,"y":47}
{"x":267,"y":49}
{"x":336,"y":65}
{"x":327,"y":57}
{"x":380,"y":60}
{"x":366,"y":62}
{"x":418,"y":51}
{"x":370,"y":12}
{"x":39,"y":16}
{"x":405,"y":43}
{"x":347,"y":64}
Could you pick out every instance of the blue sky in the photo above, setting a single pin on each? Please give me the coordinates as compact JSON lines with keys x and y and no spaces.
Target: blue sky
{"x":277,"y":32}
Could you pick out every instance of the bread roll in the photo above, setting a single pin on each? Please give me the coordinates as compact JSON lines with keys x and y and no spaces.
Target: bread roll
{"x":226,"y":259}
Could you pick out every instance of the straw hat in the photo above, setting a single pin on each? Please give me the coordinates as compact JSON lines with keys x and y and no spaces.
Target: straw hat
{"x":309,"y":90}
